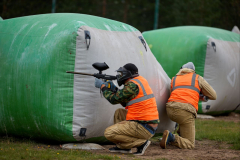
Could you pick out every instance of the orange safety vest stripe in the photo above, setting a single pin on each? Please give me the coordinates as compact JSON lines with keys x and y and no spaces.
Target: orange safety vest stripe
{"x":143,"y":106}
{"x":185,"y":89}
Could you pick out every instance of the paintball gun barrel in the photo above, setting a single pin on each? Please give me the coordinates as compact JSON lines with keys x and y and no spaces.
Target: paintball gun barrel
{"x":100,"y":67}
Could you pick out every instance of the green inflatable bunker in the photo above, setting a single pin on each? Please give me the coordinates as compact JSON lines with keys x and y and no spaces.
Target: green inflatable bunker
{"x":215,"y":54}
{"x":40,"y":100}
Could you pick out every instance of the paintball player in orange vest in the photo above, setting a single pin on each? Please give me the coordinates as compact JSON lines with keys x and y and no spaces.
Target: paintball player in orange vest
{"x":142,"y":115}
{"x":187,"y":88}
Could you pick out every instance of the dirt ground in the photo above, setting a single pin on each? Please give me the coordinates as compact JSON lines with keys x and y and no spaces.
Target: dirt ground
{"x":206,"y":149}
{"x":235,"y":117}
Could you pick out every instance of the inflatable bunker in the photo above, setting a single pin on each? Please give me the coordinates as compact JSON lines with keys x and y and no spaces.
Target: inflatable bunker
{"x":215,"y":54}
{"x":40,"y":100}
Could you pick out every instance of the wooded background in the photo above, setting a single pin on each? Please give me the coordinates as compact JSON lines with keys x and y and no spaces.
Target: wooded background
{"x":139,"y":13}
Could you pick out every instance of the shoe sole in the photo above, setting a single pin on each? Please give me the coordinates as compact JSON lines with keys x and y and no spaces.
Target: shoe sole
{"x":121,"y":151}
{"x":144,"y":149}
{"x":163,"y":143}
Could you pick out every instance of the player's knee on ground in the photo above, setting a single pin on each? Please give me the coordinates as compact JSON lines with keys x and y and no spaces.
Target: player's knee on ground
{"x":190,"y":145}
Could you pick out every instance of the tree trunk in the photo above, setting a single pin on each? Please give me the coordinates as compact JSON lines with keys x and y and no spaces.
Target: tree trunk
{"x":104,"y":8}
{"x":125,"y":11}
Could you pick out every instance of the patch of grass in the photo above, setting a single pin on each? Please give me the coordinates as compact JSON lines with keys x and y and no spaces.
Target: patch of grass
{"x":155,"y":139}
{"x":18,"y":149}
{"x":219,"y":131}
{"x":130,"y":155}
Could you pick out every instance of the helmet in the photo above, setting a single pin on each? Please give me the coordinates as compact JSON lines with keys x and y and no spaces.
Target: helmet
{"x":189,"y":65}
{"x":129,"y":70}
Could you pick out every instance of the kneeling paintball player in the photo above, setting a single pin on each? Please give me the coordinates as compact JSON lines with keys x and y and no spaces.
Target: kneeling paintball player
{"x":187,"y":88}
{"x":142,"y":116}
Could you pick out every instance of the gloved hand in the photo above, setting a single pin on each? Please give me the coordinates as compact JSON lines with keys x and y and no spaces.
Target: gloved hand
{"x":112,"y":86}
{"x":203,"y":98}
{"x":98,"y":83}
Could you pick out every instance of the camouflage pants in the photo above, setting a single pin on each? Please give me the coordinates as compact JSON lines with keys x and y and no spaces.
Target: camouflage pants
{"x":186,"y":121}
{"x":126,"y":134}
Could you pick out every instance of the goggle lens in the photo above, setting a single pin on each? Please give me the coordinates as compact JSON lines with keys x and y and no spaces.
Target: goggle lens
{"x":120,"y":74}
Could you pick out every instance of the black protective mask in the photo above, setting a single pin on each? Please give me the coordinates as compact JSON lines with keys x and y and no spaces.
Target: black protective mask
{"x":123,"y":75}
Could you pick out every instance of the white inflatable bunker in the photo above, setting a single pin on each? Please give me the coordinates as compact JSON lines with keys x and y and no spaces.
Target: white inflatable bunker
{"x":93,"y":111}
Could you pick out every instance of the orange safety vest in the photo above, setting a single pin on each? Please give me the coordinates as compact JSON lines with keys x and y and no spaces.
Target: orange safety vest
{"x":143,"y":106}
{"x":185,"y":89}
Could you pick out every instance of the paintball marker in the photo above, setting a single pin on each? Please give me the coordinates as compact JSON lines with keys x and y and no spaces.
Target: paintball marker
{"x":100,"y":67}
